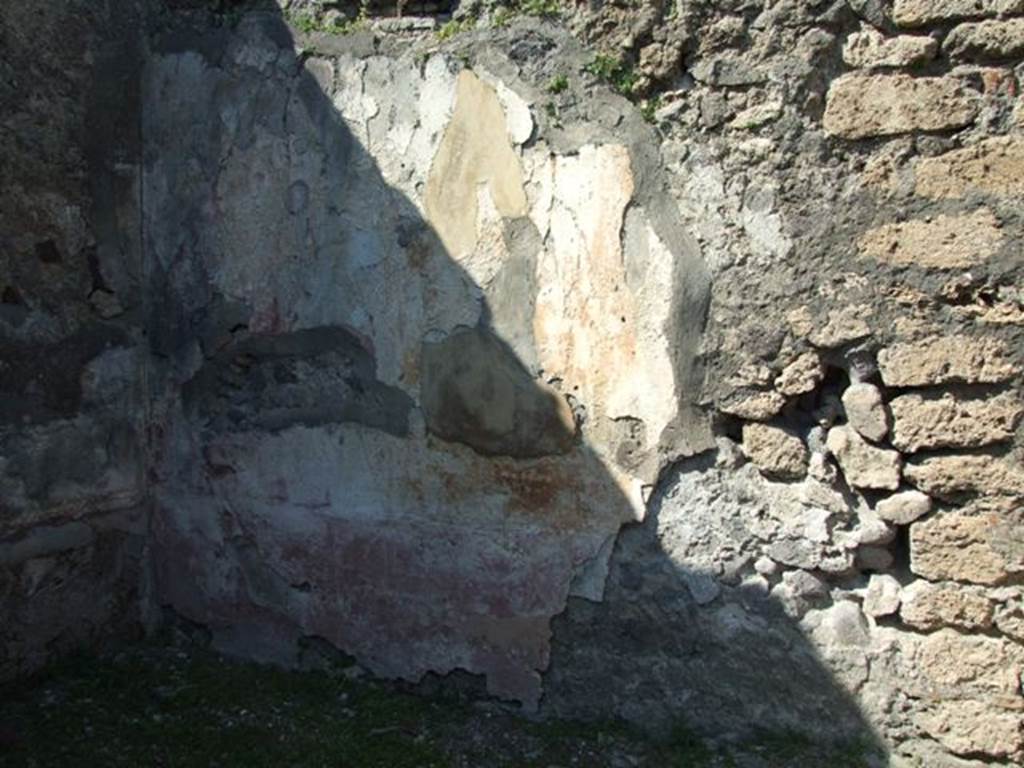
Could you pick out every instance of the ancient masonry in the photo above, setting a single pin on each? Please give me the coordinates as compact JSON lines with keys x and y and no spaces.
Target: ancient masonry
{"x":655,"y":361}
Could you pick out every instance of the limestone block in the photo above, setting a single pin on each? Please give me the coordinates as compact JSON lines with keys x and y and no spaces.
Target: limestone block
{"x":974,"y":728}
{"x":959,"y":548}
{"x":921,"y":422}
{"x":869,"y":48}
{"x":947,"y":476}
{"x":864,"y":465}
{"x":865,"y":411}
{"x":775,"y":452}
{"x":918,"y":13}
{"x":882,"y":597}
{"x":929,"y":606}
{"x":948,"y":358}
{"x":986,"y":40}
{"x":904,"y":507}
{"x":942,"y":242}
{"x":800,"y":376}
{"x":994,"y":167}
{"x":861,"y":106}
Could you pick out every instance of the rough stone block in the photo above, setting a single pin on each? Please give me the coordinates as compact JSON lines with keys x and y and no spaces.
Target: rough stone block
{"x":930,"y":606}
{"x":869,"y":48}
{"x":986,"y":40}
{"x":864,"y":465}
{"x":800,"y":376}
{"x":974,"y":728}
{"x":947,"y":476}
{"x":756,"y":406}
{"x":918,"y":13}
{"x":921,"y":422}
{"x":865,"y":411}
{"x":958,"y":548}
{"x":945,"y":359}
{"x":942,"y":242}
{"x":862,"y":106}
{"x":993,"y":167}
{"x":958,"y":665}
{"x":775,"y":452}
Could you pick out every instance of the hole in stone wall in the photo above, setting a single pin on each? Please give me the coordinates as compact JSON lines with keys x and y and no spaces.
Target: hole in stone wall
{"x":11,"y":296}
{"x":47,"y":252}
{"x":900,"y":549}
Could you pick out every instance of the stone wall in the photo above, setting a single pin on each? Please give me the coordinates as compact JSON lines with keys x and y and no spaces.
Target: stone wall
{"x":699,"y":401}
{"x":851,"y":173}
{"x":72,"y":400}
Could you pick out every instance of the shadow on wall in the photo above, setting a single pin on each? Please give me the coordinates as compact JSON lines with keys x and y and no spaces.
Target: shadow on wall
{"x":357,"y":440}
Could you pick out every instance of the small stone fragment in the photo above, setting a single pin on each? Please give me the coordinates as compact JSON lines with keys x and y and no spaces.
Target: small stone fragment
{"x":865,"y":411}
{"x":863,"y":106}
{"x":921,"y":423}
{"x":864,"y":465}
{"x":882,"y":597}
{"x":869,"y":48}
{"x":766,"y":566}
{"x":950,"y":358}
{"x":957,"y":548}
{"x":904,"y":508}
{"x":919,"y":13}
{"x":756,"y":406}
{"x":943,"y":242}
{"x":993,"y":167}
{"x":929,"y":606}
{"x":775,"y":452}
{"x":986,"y":40}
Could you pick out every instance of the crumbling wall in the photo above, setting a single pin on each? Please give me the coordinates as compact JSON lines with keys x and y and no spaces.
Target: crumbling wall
{"x":420,"y":365}
{"x":72,"y":401}
{"x":851,"y":171}
{"x":699,"y":401}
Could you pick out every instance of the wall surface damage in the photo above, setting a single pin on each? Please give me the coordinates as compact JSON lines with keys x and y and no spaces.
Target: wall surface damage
{"x":660,"y":362}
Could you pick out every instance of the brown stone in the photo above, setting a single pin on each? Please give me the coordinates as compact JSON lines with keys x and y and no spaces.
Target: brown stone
{"x":756,"y":406}
{"x":973,"y":728}
{"x":862,"y":106}
{"x":775,"y":452}
{"x":948,"y":476}
{"x":963,"y":665}
{"x":919,"y":13}
{"x":993,"y":167}
{"x":958,"y":548}
{"x":943,"y":242}
{"x":800,"y":376}
{"x":948,"y":358}
{"x":930,"y":606}
{"x":921,"y":422}
{"x":986,"y":40}
{"x":869,"y":49}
